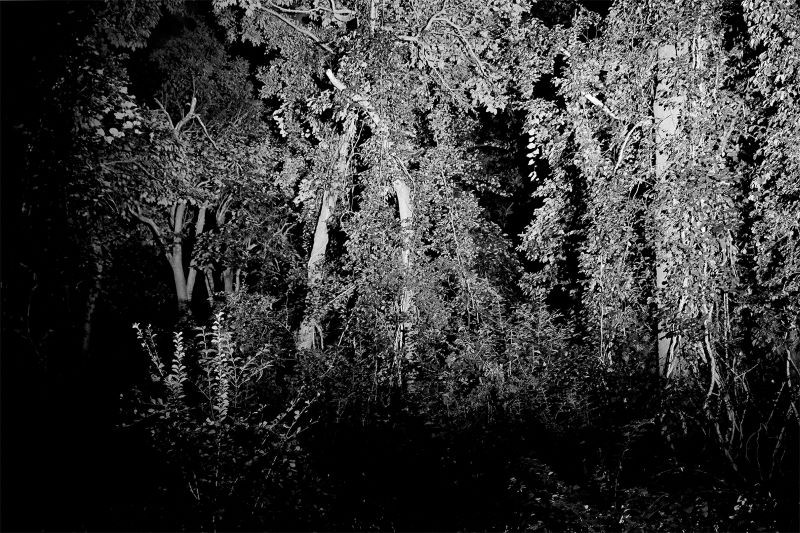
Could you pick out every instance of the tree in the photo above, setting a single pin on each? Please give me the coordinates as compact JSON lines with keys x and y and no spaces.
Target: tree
{"x":197,"y":157}
{"x":673,"y":211}
{"x":772,"y":194}
{"x":439,"y":56}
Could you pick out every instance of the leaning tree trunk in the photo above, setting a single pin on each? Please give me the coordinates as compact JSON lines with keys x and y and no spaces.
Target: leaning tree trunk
{"x":405,"y":208}
{"x":319,"y":247}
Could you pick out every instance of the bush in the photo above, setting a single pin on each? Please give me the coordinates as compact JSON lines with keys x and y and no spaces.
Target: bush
{"x":233,"y":458}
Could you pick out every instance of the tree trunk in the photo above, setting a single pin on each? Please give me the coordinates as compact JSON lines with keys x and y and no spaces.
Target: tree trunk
{"x":209,"y":276}
{"x":175,"y":257}
{"x":666,"y":110}
{"x":406,"y":212}
{"x":305,"y":335}
{"x":227,"y":279}
{"x":201,"y":222}
{"x":93,"y":296}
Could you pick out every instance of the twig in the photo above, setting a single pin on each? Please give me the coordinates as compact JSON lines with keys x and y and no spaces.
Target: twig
{"x":625,"y":143}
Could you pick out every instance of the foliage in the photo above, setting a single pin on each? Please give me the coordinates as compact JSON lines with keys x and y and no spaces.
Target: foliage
{"x":547,"y":257}
{"x":206,"y":415}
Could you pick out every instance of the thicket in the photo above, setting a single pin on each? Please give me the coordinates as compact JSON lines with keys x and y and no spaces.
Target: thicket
{"x":416,"y":265}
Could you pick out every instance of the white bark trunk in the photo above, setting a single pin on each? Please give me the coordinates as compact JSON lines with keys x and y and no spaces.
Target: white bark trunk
{"x":319,"y":247}
{"x":405,"y":207}
{"x":198,"y":229}
{"x":406,"y":212}
{"x":176,"y":258}
{"x":666,"y":110}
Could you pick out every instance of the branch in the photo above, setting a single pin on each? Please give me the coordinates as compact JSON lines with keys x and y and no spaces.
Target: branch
{"x":148,"y":222}
{"x":625,"y":142}
{"x":356,"y":98}
{"x":222,"y":210}
{"x":430,"y":22}
{"x":601,"y":105}
{"x":189,"y":116}
{"x":300,"y":30}
{"x":206,"y":132}
{"x":464,"y":40}
{"x":164,"y":109}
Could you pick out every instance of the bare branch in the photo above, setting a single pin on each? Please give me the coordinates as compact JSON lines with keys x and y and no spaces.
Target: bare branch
{"x":206,"y":132}
{"x":625,"y":142}
{"x":164,"y":109}
{"x":601,"y":105}
{"x":356,"y":98}
{"x":189,"y":116}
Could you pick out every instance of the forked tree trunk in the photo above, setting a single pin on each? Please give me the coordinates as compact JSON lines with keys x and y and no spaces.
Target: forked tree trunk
{"x":173,"y":251}
{"x":405,"y":208}
{"x":319,"y":247}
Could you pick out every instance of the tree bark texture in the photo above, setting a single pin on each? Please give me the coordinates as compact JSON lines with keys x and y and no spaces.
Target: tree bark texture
{"x":319,"y":247}
{"x":406,"y":213}
{"x":175,"y":257}
{"x":227,"y":280}
{"x":198,"y":229}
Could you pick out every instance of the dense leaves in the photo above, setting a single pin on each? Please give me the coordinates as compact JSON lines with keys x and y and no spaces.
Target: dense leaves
{"x":423,"y":265}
